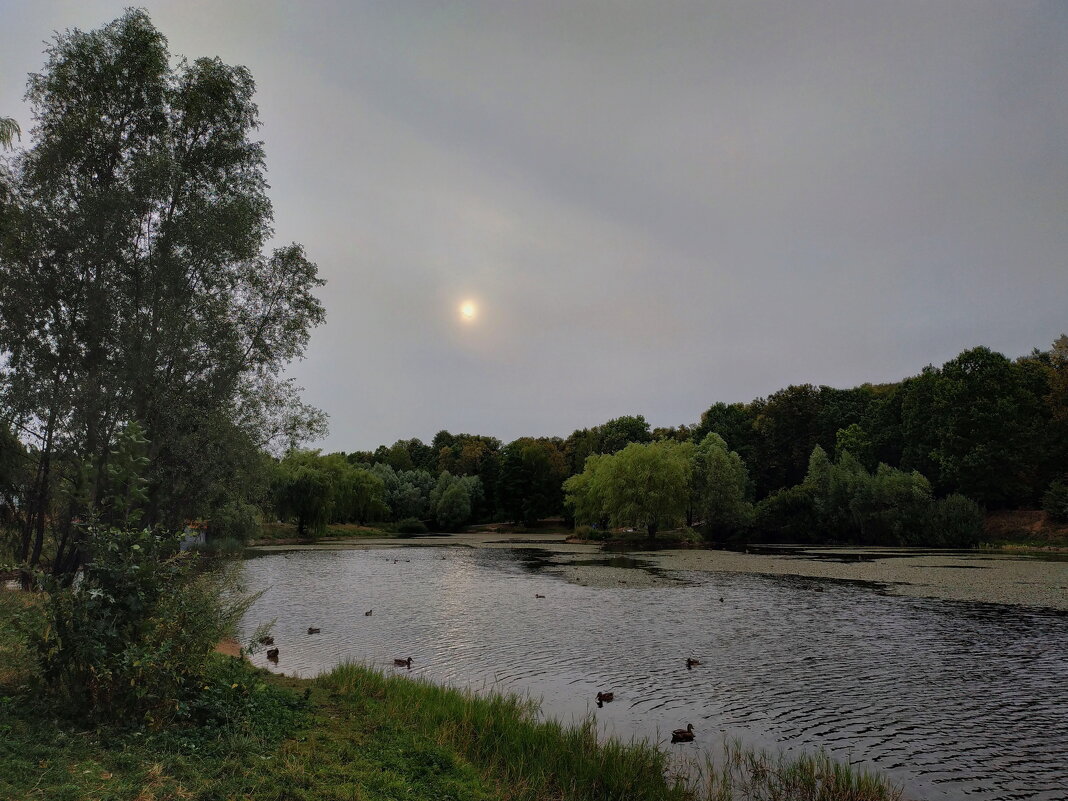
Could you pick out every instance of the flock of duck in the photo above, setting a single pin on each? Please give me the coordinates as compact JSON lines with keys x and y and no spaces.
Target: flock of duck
{"x":677,"y":736}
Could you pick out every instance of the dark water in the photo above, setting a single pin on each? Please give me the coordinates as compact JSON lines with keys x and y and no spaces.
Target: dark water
{"x":953,"y":700}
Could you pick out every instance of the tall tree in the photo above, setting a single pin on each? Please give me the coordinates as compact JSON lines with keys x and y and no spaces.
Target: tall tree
{"x":531,"y":474}
{"x":136,"y":283}
{"x":720,"y":486}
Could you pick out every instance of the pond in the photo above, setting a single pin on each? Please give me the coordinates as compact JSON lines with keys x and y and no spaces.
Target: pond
{"x":952,"y":699}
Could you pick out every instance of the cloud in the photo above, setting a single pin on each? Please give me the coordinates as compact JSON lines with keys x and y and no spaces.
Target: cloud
{"x":658,"y":205}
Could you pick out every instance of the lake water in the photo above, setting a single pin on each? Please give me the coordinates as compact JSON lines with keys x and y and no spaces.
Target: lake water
{"x":953,"y":700}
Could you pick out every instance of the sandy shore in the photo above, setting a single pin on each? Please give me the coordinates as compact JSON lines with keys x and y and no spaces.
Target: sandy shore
{"x":1006,"y":577}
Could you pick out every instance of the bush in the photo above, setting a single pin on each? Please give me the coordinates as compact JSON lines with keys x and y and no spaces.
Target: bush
{"x":1055,"y":502}
{"x":956,"y":521}
{"x":410,"y":525}
{"x":235,"y":520}
{"x":591,"y":533}
{"x":132,"y":638}
{"x":788,"y":515}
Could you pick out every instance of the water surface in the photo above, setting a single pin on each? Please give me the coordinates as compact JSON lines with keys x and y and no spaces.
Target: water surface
{"x":954,"y":700}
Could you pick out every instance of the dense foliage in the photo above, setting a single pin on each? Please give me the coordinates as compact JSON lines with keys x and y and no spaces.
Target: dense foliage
{"x":133,"y":637}
{"x":845,"y":502}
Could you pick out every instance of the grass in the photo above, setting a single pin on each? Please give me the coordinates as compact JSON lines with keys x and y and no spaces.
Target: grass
{"x":286,"y":533}
{"x":672,"y":538}
{"x":528,"y":758}
{"x":356,"y":733}
{"x":745,"y":774}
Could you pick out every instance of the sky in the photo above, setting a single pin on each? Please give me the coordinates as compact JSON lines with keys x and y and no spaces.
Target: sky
{"x":654,"y":206}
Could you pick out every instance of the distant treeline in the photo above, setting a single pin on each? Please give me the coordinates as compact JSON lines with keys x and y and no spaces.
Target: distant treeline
{"x":861,"y":464}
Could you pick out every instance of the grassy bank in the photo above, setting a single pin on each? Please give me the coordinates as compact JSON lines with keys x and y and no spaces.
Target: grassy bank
{"x":358,"y":734}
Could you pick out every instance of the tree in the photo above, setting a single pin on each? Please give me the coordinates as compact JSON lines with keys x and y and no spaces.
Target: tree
{"x":720,"y":486}
{"x":585,"y":492}
{"x":855,"y":439}
{"x":304,"y":493}
{"x":367,"y":497}
{"x":136,"y":283}
{"x":531,"y":474}
{"x":990,"y":419}
{"x":617,"y":433}
{"x":454,"y":507}
{"x":644,"y":486}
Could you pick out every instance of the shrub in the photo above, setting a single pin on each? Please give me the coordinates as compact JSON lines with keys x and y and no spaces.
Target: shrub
{"x":132,"y":638}
{"x":1055,"y":502}
{"x":235,"y":520}
{"x":956,"y":521}
{"x":788,"y":515}
{"x":592,"y":533}
{"x":411,"y":525}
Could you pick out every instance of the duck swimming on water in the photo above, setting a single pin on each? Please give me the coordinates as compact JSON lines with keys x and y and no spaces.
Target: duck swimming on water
{"x":683,"y":735}
{"x":403,"y":663}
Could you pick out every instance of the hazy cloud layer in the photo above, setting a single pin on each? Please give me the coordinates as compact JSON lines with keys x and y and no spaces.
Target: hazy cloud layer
{"x":657,"y":205}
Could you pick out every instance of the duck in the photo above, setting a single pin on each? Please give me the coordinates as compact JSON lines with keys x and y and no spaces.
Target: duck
{"x":272,"y":654}
{"x":312,"y":630}
{"x":368,"y":612}
{"x":605,"y":698}
{"x":403,"y":663}
{"x":691,"y":662}
{"x":537,"y":595}
{"x":683,"y":735}
{"x":266,"y":641}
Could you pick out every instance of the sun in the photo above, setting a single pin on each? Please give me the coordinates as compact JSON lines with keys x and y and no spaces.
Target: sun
{"x":468,"y":310}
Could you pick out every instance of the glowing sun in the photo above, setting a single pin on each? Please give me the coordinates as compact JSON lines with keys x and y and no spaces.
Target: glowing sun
{"x":468,"y":310}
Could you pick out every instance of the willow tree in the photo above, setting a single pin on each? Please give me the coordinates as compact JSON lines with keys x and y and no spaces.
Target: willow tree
{"x":137,"y":283}
{"x":646,"y":486}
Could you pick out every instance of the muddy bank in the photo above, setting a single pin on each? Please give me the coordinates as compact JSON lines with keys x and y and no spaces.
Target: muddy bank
{"x":983,"y":576}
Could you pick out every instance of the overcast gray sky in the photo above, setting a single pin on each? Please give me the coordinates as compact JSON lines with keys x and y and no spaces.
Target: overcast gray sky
{"x":655,"y":205}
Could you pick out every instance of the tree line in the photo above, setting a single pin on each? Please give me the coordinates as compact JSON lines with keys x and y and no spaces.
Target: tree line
{"x":902,"y":463}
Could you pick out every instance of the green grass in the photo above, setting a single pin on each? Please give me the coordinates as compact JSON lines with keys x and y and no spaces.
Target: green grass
{"x":529,"y":758}
{"x":356,"y":733}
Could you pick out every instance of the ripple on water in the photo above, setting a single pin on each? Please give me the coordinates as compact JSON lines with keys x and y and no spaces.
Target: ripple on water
{"x":953,"y":700}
